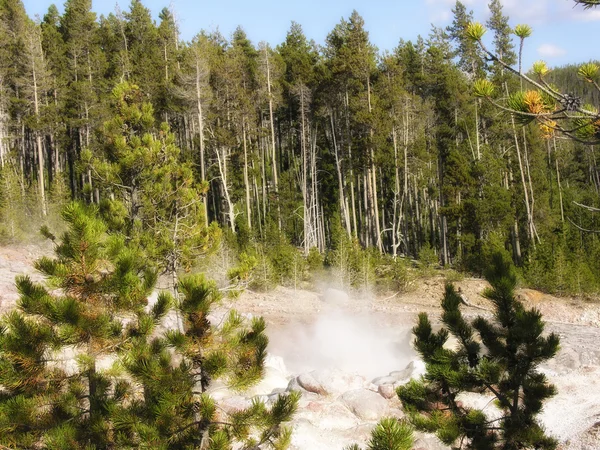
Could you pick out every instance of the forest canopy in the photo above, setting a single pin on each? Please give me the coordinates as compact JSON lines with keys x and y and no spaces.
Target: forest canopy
{"x":304,"y":155}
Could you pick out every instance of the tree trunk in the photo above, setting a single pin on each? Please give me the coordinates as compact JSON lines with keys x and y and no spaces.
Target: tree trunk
{"x":338,"y":165}
{"x":246,"y":180}
{"x":273,"y":146}
{"x":222,"y":163}
{"x":374,"y":197}
{"x":38,"y":139}
{"x":560,"y":196}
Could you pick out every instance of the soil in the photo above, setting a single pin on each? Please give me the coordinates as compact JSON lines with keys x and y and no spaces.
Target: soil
{"x":573,"y":416}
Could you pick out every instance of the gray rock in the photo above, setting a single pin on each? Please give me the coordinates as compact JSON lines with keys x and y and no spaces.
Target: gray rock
{"x":387,"y":391}
{"x":384,"y":380}
{"x":294,"y":385}
{"x":272,"y":380}
{"x":309,"y":383}
{"x":327,"y":416}
{"x":425,"y":441}
{"x":365,"y":404}
{"x":235,"y":403}
{"x":330,"y":382}
{"x":414,"y":369}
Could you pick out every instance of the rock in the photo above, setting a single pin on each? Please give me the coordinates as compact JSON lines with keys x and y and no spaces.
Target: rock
{"x":235,"y":403}
{"x":384,"y":380}
{"x":330,"y":382}
{"x":365,"y":404}
{"x":425,"y":441}
{"x":452,"y":343}
{"x":387,"y":391}
{"x":327,"y":416}
{"x":336,"y":416}
{"x":308,"y":382}
{"x":294,"y":385}
{"x":415,"y":369}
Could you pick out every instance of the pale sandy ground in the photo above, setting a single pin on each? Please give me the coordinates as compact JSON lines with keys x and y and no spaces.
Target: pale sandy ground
{"x":573,"y":416}
{"x":371,"y":334}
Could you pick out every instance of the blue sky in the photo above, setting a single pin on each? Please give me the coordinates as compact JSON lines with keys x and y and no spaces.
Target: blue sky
{"x":562,"y":34}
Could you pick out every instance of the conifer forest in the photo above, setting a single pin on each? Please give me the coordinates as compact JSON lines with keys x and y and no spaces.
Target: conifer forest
{"x":316,"y":147}
{"x":144,"y":157}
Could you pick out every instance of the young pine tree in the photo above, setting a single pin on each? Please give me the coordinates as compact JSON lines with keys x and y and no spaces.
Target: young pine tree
{"x":147,"y":192}
{"x":53,"y":393}
{"x":503,"y":360}
{"x":389,"y":434}
{"x":85,"y":364}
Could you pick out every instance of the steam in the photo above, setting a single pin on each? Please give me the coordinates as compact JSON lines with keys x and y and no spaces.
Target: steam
{"x":364,"y":343}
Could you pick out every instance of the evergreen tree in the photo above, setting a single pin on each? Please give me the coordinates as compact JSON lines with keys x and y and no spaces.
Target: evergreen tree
{"x":94,"y":282}
{"x":149,"y":194}
{"x":389,"y":434}
{"x":84,"y":65}
{"x":504,"y":364}
{"x":54,"y":99}
{"x":61,"y":388}
{"x":144,"y":49}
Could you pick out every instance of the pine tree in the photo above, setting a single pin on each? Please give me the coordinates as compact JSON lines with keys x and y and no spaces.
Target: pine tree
{"x":502,"y":360}
{"x":176,"y":412}
{"x":389,"y":434}
{"x":58,"y":349}
{"x":94,"y":282}
{"x":148,"y":193}
{"x":555,"y":111}
{"x":145,"y":50}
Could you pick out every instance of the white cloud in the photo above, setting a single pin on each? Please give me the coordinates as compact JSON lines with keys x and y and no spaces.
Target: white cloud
{"x":529,"y":12}
{"x":551,"y":51}
{"x":532,"y":12}
{"x":587,"y":15}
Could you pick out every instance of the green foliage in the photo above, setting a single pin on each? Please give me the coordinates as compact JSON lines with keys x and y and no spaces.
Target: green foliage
{"x":483,"y":88}
{"x":354,"y":265}
{"x":475,"y":31}
{"x":523,"y":31}
{"x":428,"y":259}
{"x":588,"y":71}
{"x":540,"y":68}
{"x":159,"y":202}
{"x":274,"y":262}
{"x":502,"y":360}
{"x":21,"y":213}
{"x":154,"y":393}
{"x":310,"y":141}
{"x":556,"y":269}
{"x":315,"y":260}
{"x":389,"y":434}
{"x":11,"y":209}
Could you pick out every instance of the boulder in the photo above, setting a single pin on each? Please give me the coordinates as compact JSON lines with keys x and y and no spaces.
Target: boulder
{"x":327,"y":415}
{"x":387,"y":391}
{"x":365,"y":404}
{"x":426,"y":441}
{"x":308,"y":382}
{"x":276,"y":362}
{"x":294,"y":385}
{"x":415,"y":369}
{"x":384,"y":380}
{"x":330,"y":382}
{"x":235,"y":403}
